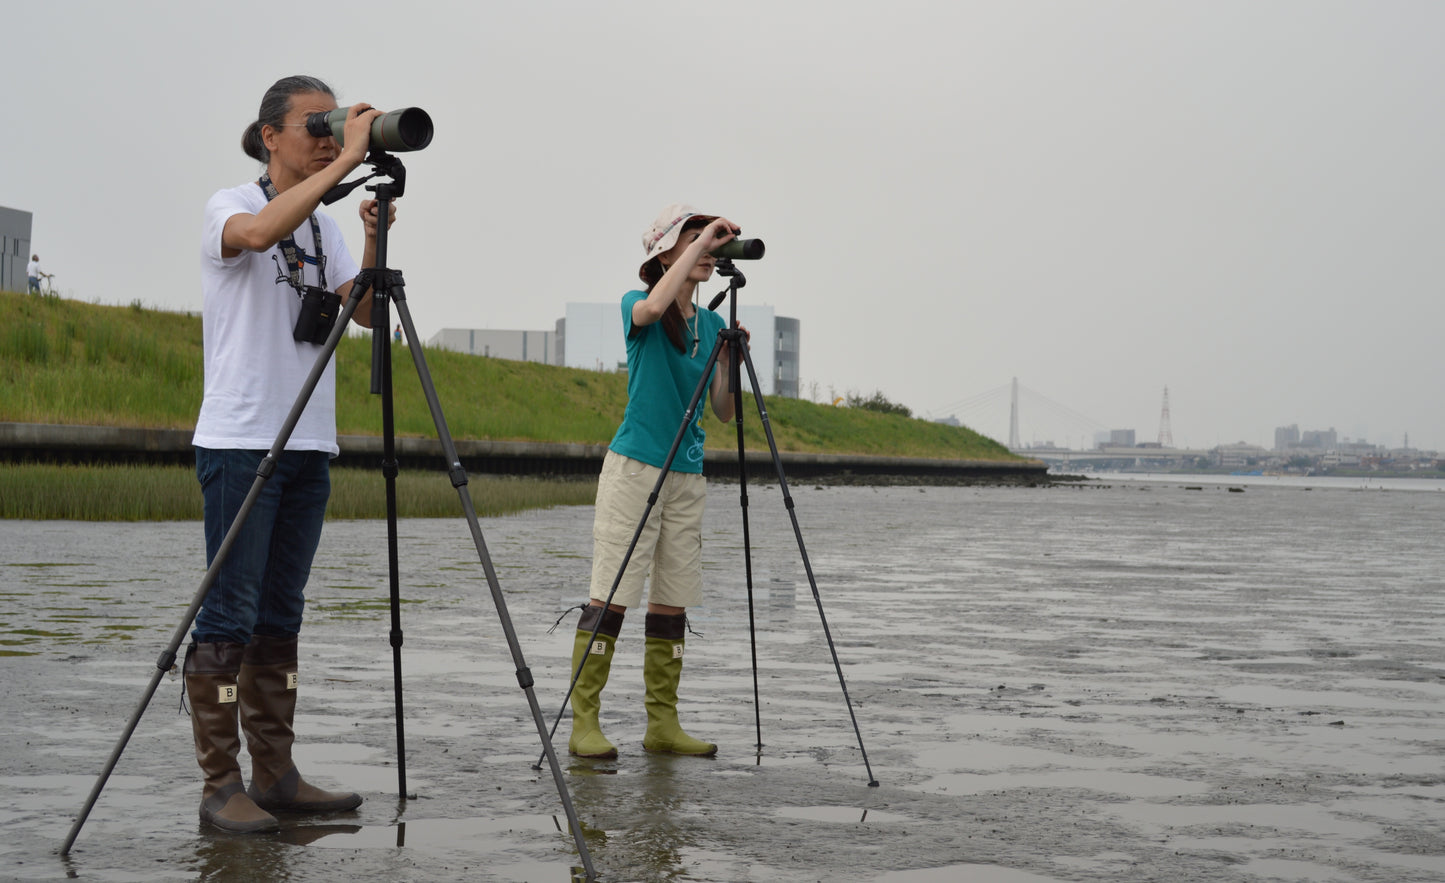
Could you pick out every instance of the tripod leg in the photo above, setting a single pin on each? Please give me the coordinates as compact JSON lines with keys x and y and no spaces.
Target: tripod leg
{"x":167,"y":659}
{"x":381,"y":376}
{"x":807,"y":566}
{"x":735,"y":369}
{"x":459,"y":481}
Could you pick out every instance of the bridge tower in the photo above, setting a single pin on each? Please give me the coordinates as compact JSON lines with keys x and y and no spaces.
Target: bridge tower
{"x":1013,"y":417}
{"x":1166,"y":436}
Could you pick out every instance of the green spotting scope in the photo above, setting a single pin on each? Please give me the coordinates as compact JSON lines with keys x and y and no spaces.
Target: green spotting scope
{"x":740,"y":249}
{"x":406,"y":129}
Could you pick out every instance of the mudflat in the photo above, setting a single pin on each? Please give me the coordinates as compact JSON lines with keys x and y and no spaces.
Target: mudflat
{"x":1074,"y":683}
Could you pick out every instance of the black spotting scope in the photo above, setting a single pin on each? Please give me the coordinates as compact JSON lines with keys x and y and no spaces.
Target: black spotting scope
{"x":740,"y":249}
{"x":401,"y":130}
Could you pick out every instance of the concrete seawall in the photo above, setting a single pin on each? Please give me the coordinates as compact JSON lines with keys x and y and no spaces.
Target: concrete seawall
{"x":42,"y":442}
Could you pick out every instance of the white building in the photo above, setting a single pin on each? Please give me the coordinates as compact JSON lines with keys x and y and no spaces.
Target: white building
{"x":520,"y":346}
{"x":590,"y":337}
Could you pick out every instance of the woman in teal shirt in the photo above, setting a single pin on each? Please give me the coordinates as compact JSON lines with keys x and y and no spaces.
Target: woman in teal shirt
{"x":669,"y":339}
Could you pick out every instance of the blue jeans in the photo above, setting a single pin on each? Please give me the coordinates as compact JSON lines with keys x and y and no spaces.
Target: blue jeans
{"x":259,"y":588}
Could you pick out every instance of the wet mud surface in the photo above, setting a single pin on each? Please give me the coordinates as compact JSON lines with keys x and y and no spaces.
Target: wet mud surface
{"x":1052,"y":684}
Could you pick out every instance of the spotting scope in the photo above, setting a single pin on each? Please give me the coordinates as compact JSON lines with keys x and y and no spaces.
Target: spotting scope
{"x":406,"y":129}
{"x":740,"y":249}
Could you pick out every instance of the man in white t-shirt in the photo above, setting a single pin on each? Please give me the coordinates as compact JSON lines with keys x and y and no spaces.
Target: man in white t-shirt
{"x":263,"y":243}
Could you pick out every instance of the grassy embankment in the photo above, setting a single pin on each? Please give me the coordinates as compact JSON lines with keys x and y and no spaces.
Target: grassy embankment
{"x":68,"y":362}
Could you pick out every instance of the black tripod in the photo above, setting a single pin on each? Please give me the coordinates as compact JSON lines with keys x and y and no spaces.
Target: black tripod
{"x":386,"y":285}
{"x":733,"y":338}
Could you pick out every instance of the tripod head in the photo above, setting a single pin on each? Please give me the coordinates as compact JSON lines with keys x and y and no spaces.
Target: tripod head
{"x":725,"y":267}
{"x":382,"y":163}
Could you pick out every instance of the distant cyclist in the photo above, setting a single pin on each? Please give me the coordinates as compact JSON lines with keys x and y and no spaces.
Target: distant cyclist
{"x":34,"y":274}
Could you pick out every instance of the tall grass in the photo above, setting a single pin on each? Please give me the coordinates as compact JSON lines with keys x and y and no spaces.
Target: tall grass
{"x":170,"y":493}
{"x":361,"y":493}
{"x":69,"y":362}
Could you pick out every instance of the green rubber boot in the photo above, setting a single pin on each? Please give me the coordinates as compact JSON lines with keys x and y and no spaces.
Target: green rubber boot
{"x":587,"y":739}
{"x":661,"y":671}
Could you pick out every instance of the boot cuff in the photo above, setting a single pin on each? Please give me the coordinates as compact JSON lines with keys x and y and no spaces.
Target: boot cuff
{"x":611,"y":620}
{"x":213,"y":658}
{"x":268,"y":650}
{"x":666,"y":626}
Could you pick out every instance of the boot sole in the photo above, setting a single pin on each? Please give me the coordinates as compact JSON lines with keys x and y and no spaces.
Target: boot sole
{"x":712,"y":753}
{"x":331,"y":806}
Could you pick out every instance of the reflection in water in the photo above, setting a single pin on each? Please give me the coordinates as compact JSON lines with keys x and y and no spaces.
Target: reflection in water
{"x":656,"y":830}
{"x":300,"y":835}
{"x":226,"y":858}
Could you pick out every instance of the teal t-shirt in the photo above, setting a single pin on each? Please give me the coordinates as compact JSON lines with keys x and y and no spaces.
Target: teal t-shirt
{"x":660,"y":383}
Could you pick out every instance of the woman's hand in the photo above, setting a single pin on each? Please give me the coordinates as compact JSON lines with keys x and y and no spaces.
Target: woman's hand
{"x":717,"y":233}
{"x":725,"y":353}
{"x":722,"y":403}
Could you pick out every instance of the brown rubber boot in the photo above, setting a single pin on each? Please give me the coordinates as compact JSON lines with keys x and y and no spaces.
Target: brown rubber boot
{"x":267,"y":693}
{"x":210,"y":673}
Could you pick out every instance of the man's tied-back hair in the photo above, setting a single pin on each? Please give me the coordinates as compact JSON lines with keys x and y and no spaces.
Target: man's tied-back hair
{"x":274,"y":106}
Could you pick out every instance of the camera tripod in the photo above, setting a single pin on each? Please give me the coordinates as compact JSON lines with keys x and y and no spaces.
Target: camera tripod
{"x":386,"y":286}
{"x":732,"y":337}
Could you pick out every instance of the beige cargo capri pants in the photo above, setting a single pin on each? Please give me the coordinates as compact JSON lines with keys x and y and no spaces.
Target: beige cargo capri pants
{"x":670,"y":545}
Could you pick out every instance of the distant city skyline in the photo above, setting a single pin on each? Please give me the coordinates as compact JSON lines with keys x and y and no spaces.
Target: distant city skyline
{"x":1043,"y":420}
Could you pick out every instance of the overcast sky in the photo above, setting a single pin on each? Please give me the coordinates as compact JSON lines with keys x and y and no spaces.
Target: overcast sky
{"x":1242,"y":201}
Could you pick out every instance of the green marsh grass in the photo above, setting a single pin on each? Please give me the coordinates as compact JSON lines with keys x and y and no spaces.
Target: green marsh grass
{"x":170,"y":493}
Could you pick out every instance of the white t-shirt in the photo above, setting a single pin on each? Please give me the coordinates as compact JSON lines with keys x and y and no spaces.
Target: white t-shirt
{"x":254,"y":369}
{"x":33,"y":269}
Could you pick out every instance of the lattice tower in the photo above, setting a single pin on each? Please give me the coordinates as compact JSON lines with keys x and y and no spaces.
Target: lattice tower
{"x":1166,"y":436}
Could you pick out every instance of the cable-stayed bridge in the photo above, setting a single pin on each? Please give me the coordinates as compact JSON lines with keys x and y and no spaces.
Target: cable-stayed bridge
{"x":984,"y":410}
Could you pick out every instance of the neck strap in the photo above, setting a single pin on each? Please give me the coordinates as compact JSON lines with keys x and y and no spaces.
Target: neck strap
{"x":294,"y":255}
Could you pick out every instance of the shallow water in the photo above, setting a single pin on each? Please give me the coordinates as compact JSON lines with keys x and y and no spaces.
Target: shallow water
{"x":1112,"y":682}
